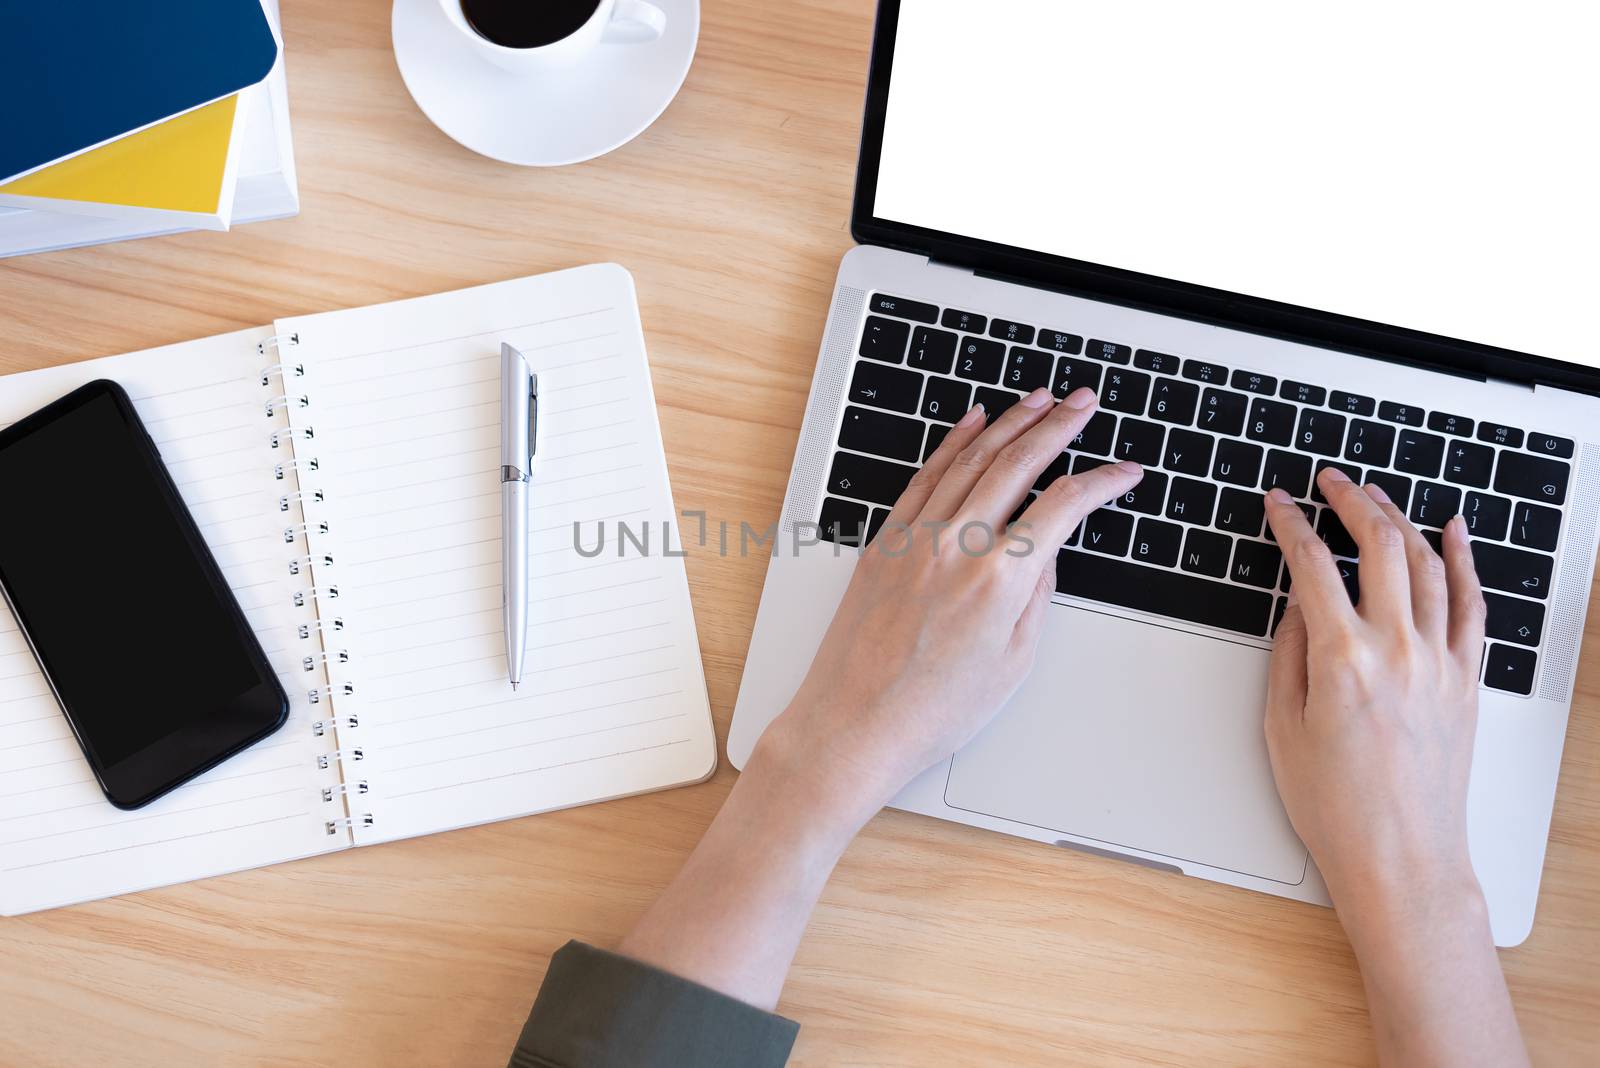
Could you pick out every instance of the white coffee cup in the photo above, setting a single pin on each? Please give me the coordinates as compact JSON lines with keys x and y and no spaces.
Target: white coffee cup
{"x":613,"y":22}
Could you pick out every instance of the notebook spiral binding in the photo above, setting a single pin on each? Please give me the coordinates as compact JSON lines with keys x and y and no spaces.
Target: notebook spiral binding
{"x":290,"y":395}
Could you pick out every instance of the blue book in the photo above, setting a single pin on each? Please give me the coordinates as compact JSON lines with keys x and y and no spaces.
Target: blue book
{"x":75,"y":74}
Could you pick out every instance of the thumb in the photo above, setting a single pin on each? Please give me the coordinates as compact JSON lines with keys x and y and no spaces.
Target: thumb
{"x":1025,"y":635}
{"x":1286,"y":673}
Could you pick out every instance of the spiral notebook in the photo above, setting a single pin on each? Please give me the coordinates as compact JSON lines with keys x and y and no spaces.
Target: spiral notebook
{"x":344,"y":470}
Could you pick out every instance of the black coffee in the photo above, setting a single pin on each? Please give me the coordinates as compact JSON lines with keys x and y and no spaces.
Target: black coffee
{"x":527,"y":23}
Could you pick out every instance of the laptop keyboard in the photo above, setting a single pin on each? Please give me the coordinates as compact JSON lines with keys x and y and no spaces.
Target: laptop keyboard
{"x":1190,"y":542}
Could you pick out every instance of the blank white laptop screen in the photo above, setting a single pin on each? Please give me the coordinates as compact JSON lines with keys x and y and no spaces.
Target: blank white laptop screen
{"x":1418,"y":164}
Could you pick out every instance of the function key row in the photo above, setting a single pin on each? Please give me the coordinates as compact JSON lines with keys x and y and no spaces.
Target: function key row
{"x":1198,"y":370}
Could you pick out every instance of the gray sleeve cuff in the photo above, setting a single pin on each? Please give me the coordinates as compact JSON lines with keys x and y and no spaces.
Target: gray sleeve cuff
{"x":598,"y":1010}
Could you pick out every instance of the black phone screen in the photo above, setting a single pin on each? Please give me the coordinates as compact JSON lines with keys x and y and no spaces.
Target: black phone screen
{"x":123,"y":604}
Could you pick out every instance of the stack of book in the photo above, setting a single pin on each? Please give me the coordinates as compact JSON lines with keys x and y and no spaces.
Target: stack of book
{"x":131,"y":120}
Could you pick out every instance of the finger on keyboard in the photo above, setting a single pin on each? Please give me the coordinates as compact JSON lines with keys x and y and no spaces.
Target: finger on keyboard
{"x":1317,"y":584}
{"x":1429,"y":598}
{"x":910,"y":503}
{"x":1467,"y":611}
{"x":1018,"y":465}
{"x":955,"y":483}
{"x":1385,"y":578}
{"x":1066,"y":502}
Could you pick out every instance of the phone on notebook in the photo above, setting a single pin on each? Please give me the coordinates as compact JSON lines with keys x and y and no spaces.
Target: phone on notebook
{"x":137,"y":633}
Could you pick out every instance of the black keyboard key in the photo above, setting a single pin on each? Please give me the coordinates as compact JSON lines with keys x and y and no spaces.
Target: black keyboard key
{"x":1027,"y":369}
{"x":1301,"y":393}
{"x":1287,"y":471}
{"x":1109,"y":351}
{"x":1097,"y":435}
{"x":875,"y":523}
{"x":1241,"y":512}
{"x":1159,"y":362}
{"x":1237,"y":462}
{"x":1468,"y":464}
{"x":1200,"y":371}
{"x":1489,"y":517}
{"x":881,"y":434}
{"x":932,"y":350}
{"x":1107,"y":532}
{"x":1432,"y":505}
{"x":1369,"y":443}
{"x":1060,"y":341}
{"x":1147,"y":495}
{"x":1333,"y":534}
{"x":1533,"y":477}
{"x":1435,"y":540}
{"x":1010,"y":332}
{"x":1354,"y":474}
{"x":844,"y":522}
{"x":1251,"y":382}
{"x":1187,"y":452}
{"x":1163,"y":593}
{"x":1222,"y":413}
{"x":1495,"y":434}
{"x":1172,"y":401}
{"x":1513,"y":619}
{"x":868,"y":479}
{"x":1350,"y":575}
{"x":1513,"y":570}
{"x":1191,"y":501}
{"x":1206,"y":553}
{"x":966,"y":322}
{"x":1320,"y":432}
{"x":887,"y":387}
{"x":1409,"y":414}
{"x":936,"y":433}
{"x":1506,"y":668}
{"x":884,"y":339}
{"x":1398,"y":487}
{"x":1351,"y":403}
{"x":1073,"y":374}
{"x":945,"y":399}
{"x":1535,"y":526}
{"x":1417,"y":453}
{"x":994,"y":401}
{"x":1155,"y":542}
{"x":1550,"y":445}
{"x":980,"y":359}
{"x":1270,"y":421}
{"x":1140,"y":442}
{"x":1445,"y":423}
{"x":1125,"y":391}
{"x":1080,"y":464}
{"x":1056,"y":468}
{"x":905,"y":309}
{"x":1256,"y":563}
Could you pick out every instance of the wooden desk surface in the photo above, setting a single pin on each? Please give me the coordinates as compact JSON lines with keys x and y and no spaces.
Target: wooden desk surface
{"x":935,"y":943}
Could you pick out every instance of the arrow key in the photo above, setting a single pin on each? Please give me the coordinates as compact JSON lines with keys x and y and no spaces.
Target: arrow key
{"x":1509,"y":669}
{"x":1512,"y":619}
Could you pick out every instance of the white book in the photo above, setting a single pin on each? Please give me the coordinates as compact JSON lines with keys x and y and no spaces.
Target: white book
{"x":358,"y":525}
{"x":263,"y":180}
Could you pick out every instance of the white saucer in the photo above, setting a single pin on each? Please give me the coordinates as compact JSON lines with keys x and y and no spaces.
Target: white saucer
{"x":543,"y":120}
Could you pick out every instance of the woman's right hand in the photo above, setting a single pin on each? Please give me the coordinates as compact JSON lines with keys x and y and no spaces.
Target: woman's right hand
{"x":1372,"y":708}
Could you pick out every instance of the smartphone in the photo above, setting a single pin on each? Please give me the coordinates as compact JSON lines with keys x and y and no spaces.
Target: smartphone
{"x":125,"y":609}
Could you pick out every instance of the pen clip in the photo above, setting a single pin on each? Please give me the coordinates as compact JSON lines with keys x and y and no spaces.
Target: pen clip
{"x":533,"y":418}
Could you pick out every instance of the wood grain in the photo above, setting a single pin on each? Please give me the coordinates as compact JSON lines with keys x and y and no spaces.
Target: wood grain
{"x":935,"y":943}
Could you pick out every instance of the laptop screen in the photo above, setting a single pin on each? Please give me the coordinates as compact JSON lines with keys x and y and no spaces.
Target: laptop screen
{"x":1426,"y":165}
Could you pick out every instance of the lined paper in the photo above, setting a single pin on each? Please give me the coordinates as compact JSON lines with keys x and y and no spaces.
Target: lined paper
{"x":61,"y":841}
{"x":406,"y":422}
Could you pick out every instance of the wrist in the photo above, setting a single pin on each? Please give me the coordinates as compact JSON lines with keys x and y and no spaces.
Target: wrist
{"x":835,"y":794}
{"x":1387,"y":910}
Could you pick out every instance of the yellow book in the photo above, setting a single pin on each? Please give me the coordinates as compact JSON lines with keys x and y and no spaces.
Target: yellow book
{"x":181,"y":171}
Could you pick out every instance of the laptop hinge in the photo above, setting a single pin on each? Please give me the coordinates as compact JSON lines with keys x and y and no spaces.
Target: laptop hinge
{"x":953,"y":268}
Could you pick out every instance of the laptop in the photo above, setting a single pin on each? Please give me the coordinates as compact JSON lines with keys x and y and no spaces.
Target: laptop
{"x":1273,"y":240}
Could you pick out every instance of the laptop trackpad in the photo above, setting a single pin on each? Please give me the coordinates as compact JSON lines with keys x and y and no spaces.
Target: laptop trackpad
{"x":1137,"y":735}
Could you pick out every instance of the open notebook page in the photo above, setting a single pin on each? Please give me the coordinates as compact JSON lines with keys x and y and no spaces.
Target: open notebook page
{"x":406,"y":413}
{"x":61,"y":841}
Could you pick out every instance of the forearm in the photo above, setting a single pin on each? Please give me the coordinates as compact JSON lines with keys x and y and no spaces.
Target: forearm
{"x":734,"y":915}
{"x":1432,"y":977}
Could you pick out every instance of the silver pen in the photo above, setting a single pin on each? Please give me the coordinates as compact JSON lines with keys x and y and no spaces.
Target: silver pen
{"x":519,"y":417}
